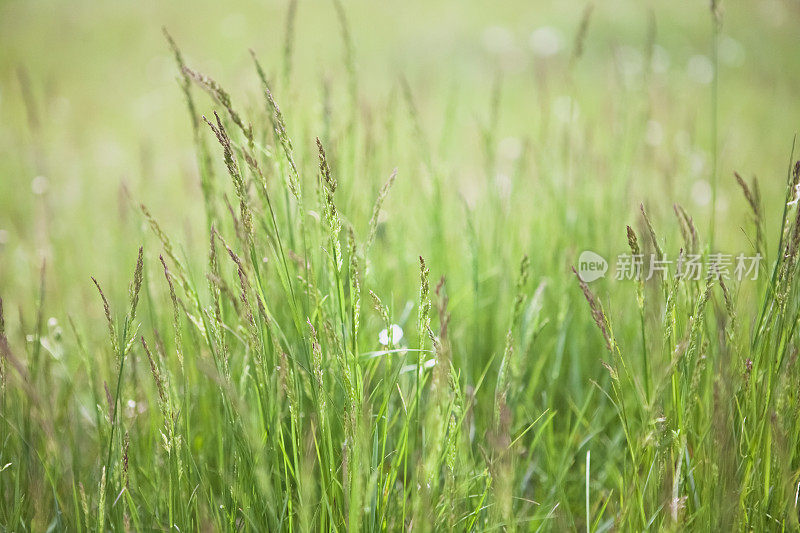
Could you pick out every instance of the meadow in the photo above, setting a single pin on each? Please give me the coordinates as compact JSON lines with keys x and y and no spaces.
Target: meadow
{"x":426,"y":266}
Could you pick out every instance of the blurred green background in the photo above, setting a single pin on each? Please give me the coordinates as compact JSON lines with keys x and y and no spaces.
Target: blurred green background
{"x":511,"y":135}
{"x":93,"y":120}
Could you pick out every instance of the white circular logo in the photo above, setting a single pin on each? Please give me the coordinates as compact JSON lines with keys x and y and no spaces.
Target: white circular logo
{"x":591,"y":266}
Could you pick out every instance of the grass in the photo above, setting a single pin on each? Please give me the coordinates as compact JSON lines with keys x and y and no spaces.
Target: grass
{"x":333,"y":302}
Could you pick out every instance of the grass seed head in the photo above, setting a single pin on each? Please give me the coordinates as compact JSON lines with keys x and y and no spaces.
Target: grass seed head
{"x":112,"y":334}
{"x":598,"y":315}
{"x":154,"y":369}
{"x":176,"y":322}
{"x":376,"y":210}
{"x":126,"y":441}
{"x":288,"y":41}
{"x":329,"y":208}
{"x":109,"y":402}
{"x":222,"y":97}
{"x":652,"y":232}
{"x":688,"y":230}
{"x":355,"y":282}
{"x":522,"y":281}
{"x":583,"y":30}
{"x":382,"y":310}
{"x":136,"y":285}
{"x":748,"y":194}
{"x":279,"y":125}
{"x":235,"y":173}
{"x":423,"y":316}
{"x":633,"y":242}
{"x":316,"y":353}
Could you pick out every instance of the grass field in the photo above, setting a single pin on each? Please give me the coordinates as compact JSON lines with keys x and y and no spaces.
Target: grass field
{"x":334,"y":266}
